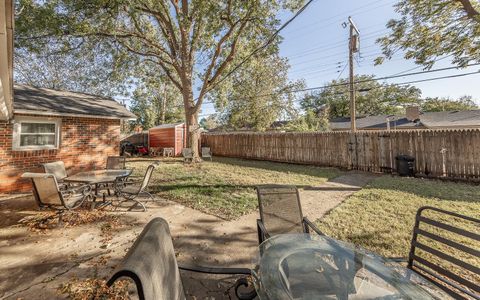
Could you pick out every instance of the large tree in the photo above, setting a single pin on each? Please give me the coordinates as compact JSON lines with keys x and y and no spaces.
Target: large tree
{"x":155,"y":99}
{"x":95,"y":69}
{"x":429,"y":29}
{"x":373,"y":97}
{"x":254,"y":97}
{"x":193,"y":42}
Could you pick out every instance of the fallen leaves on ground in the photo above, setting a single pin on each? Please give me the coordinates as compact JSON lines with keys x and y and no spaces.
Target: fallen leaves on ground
{"x":94,"y":289}
{"x":41,"y":222}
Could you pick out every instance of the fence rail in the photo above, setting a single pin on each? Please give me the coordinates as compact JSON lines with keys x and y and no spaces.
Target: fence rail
{"x":438,"y":153}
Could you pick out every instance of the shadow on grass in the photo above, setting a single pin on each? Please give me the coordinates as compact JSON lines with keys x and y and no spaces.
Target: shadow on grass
{"x":427,"y":188}
{"x":281,"y":167}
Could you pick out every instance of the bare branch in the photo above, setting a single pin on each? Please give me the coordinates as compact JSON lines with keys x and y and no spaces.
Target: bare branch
{"x":469,"y":9}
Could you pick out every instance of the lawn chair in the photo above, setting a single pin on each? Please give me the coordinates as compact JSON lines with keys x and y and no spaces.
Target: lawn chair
{"x":281,"y":212}
{"x":130,"y":191}
{"x":48,"y":194}
{"x":187,"y":154}
{"x":57,"y":168}
{"x":422,"y":250}
{"x":152,"y":265}
{"x":115,"y":162}
{"x":206,"y":153}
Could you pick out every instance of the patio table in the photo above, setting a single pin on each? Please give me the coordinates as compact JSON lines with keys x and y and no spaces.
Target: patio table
{"x":97,"y":177}
{"x":303,"y":266}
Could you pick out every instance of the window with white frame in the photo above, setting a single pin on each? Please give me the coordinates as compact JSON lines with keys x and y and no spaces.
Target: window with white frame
{"x":36,"y":133}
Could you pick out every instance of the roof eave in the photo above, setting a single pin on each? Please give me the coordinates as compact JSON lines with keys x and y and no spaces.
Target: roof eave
{"x":57,"y":114}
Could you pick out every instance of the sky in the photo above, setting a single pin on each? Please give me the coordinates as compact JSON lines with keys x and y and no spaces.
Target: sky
{"x":316,"y":45}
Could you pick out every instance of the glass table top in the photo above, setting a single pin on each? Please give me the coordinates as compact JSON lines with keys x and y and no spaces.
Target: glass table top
{"x":99,"y":176}
{"x":303,"y":266}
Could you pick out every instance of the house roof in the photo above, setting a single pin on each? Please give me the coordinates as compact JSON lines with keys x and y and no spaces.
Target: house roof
{"x":447,"y":119}
{"x":29,"y":99}
{"x":167,"y":125}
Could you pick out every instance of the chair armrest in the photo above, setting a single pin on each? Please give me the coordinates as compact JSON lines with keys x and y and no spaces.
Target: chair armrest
{"x":312,"y":226}
{"x":262,"y":231}
{"x":398,"y":259}
{"x":214,"y":270}
{"x":245,"y":282}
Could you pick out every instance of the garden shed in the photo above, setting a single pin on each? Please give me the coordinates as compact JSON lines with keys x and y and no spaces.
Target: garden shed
{"x":168,"y":136}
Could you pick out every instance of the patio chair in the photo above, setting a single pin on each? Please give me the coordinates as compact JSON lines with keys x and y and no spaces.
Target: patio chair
{"x":429,"y":262}
{"x":129,"y":191}
{"x":115,"y":162}
{"x":152,"y":265}
{"x":57,"y":168}
{"x":187,"y":154}
{"x":281,"y":212}
{"x":48,"y":194}
{"x":206,"y":153}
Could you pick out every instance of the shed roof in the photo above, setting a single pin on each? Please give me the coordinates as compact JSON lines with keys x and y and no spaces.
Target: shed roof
{"x":172,"y":125}
{"x":29,"y":99}
{"x":444,"y":119}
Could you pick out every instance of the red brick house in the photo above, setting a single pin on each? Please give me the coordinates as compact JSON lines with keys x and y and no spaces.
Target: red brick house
{"x":49,"y":125}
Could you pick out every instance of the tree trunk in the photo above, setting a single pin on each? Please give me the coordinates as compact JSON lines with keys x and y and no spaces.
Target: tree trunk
{"x":193,"y":134}
{"x":193,"y":128}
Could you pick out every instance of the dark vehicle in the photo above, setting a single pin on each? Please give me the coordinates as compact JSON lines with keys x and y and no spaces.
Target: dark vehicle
{"x":127,"y":148}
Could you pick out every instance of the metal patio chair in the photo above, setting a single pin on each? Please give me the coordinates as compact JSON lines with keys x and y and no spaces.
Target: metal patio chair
{"x":422,"y":250}
{"x":206,"y":153}
{"x":57,"y":168}
{"x":152,"y":265}
{"x":187,"y":154}
{"x":48,"y":194}
{"x":130,"y":191}
{"x":115,"y":162}
{"x":281,"y":212}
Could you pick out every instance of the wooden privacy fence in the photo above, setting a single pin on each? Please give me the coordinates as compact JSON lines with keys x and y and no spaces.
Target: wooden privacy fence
{"x":437,"y":153}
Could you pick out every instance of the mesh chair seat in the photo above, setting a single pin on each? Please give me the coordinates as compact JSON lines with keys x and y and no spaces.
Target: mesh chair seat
{"x":57,"y":168}
{"x":281,"y":212}
{"x":115,"y":162}
{"x":131,"y":189}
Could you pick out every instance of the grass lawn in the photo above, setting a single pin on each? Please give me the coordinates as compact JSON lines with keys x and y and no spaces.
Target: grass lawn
{"x":225,"y":187}
{"x":381,"y":216}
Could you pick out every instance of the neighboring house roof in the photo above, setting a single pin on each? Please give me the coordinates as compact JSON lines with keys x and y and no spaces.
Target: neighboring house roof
{"x":28,"y":99}
{"x":172,"y":125}
{"x":466,"y":118}
{"x":447,"y":119}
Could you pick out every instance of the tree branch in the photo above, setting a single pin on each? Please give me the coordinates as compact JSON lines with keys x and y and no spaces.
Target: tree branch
{"x":469,"y":9}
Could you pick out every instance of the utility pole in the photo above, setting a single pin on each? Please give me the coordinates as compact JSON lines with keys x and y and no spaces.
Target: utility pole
{"x":353,"y":47}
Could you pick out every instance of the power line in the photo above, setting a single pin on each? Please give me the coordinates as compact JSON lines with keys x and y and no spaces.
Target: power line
{"x":368,"y":89}
{"x":265,"y":45}
{"x":380,"y":78}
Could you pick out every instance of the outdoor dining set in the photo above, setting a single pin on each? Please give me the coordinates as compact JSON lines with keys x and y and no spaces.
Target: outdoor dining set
{"x":297,"y":261}
{"x":56,"y":190}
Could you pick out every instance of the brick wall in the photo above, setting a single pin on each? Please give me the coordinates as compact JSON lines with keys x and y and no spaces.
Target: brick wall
{"x":85,"y":144}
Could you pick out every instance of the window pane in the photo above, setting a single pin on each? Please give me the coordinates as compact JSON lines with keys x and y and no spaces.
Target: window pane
{"x":37,"y":140}
{"x":38,"y":128}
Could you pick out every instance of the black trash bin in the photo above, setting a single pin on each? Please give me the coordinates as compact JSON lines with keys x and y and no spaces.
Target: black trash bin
{"x":405,"y":165}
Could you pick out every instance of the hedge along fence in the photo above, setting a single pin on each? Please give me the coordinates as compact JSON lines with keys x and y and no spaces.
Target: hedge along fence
{"x":438,"y":153}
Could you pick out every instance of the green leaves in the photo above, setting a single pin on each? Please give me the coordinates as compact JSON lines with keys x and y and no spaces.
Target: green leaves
{"x":429,"y":29}
{"x":372,"y":98}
